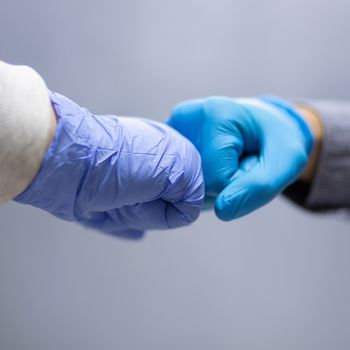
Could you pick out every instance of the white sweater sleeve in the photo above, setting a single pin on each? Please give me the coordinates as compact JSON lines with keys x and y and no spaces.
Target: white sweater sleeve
{"x":25,"y":124}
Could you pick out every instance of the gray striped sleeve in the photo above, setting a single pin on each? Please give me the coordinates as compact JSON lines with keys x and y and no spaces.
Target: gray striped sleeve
{"x":330,"y":188}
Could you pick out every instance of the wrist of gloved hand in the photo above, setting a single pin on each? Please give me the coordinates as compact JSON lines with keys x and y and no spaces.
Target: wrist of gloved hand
{"x":293,"y":113}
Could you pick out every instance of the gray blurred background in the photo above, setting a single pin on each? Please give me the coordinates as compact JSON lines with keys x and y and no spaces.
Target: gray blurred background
{"x":278,"y":279}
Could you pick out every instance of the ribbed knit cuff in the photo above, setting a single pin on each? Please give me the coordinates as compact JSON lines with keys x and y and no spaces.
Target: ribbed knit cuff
{"x":330,"y":188}
{"x":25,"y":123}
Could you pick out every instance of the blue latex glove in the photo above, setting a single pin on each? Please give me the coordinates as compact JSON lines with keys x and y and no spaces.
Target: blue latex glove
{"x":251,"y":149}
{"x":118,"y":175}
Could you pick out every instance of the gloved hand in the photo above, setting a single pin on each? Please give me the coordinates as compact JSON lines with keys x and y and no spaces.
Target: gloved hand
{"x":118,"y":175}
{"x":251,"y":149}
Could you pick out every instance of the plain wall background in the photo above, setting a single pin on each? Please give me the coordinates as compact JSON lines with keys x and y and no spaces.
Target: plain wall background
{"x":278,"y":279}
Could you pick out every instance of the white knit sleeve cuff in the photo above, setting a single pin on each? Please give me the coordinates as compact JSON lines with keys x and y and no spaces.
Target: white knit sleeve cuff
{"x":25,"y":124}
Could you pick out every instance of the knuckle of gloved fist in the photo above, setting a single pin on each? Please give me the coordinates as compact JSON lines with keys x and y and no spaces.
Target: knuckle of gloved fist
{"x":213,"y":107}
{"x":187,"y":184}
{"x":223,"y":111}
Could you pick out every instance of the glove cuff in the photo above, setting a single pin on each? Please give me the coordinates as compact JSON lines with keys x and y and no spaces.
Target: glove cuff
{"x":293,"y":114}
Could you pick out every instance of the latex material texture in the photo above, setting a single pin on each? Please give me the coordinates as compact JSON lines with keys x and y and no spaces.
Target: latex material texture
{"x":251,"y":149}
{"x":119,"y":175}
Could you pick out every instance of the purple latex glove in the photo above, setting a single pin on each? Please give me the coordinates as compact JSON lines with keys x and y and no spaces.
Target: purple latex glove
{"x":116,"y":174}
